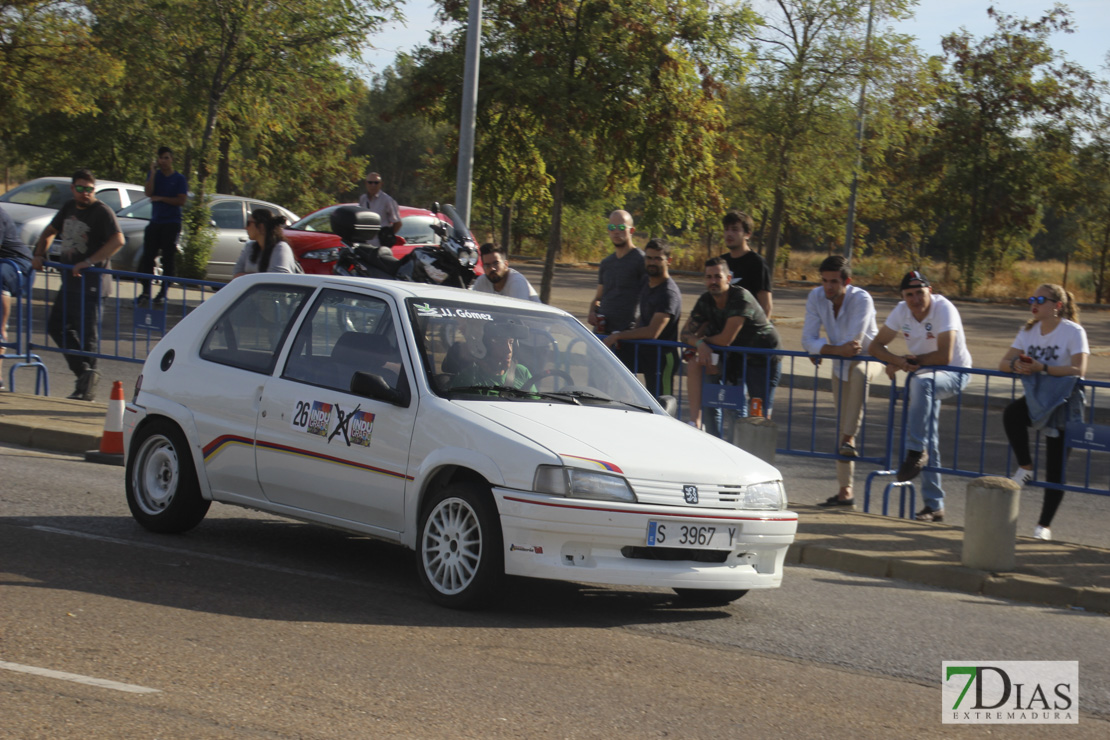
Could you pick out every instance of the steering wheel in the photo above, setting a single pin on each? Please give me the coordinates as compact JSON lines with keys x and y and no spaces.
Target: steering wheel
{"x":553,"y":373}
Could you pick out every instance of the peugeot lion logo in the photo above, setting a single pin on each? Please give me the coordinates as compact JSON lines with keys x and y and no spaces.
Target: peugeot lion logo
{"x":690,"y":493}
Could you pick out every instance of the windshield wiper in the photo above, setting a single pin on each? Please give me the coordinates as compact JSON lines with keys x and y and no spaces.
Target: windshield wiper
{"x":587,"y":396}
{"x":510,"y":392}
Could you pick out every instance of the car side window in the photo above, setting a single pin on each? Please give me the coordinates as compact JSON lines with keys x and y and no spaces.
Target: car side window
{"x":228,"y":214}
{"x":110,"y":198}
{"x":343,"y":334}
{"x":251,"y":332}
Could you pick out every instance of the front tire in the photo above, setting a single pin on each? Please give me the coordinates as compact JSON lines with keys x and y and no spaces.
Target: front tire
{"x":162,"y":488}
{"x":460,"y":554}
{"x":707,"y":597}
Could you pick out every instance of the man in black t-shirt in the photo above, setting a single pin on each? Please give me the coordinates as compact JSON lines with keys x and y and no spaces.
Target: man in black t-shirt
{"x":660,"y":309}
{"x":90,"y":235}
{"x":748,"y":269}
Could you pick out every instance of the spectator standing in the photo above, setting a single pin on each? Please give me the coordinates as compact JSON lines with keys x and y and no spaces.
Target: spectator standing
{"x":168,"y":191}
{"x":501,"y":279}
{"x":1050,"y":355}
{"x":934,"y":336}
{"x":11,"y":281}
{"x":727,"y":315}
{"x":847,"y":316}
{"x":267,"y":250}
{"x":90,"y":235}
{"x":747,"y":267}
{"x":660,"y":309}
{"x":618,"y":291}
{"x":381,"y":203}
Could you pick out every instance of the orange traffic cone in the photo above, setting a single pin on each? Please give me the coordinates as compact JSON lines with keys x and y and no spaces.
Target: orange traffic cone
{"x":111,"y":442}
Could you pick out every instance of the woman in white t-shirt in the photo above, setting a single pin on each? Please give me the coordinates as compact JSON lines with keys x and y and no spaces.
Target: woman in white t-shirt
{"x":266,"y":251}
{"x":1051,"y":342}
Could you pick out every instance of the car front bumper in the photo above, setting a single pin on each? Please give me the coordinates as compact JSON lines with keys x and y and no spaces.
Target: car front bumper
{"x":606,"y":543}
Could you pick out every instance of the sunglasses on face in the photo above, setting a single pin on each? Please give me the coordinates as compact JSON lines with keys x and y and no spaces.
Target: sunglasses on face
{"x":83,"y":188}
{"x":619,"y":227}
{"x":1038,"y":299}
{"x":373,"y":182}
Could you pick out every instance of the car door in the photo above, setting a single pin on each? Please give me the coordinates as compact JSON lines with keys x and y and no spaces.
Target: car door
{"x":320,"y":447}
{"x":231,"y":234}
{"x":238,"y":354}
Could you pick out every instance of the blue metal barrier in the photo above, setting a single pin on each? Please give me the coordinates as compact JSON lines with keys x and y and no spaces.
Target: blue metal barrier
{"x":19,"y":333}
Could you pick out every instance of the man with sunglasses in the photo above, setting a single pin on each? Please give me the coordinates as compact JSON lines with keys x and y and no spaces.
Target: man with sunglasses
{"x":379,"y":202}
{"x":618,"y":291}
{"x":90,"y":235}
{"x":934,"y":335}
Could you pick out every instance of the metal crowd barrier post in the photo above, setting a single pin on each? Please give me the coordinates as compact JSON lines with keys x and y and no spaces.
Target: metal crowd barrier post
{"x":21,"y":312}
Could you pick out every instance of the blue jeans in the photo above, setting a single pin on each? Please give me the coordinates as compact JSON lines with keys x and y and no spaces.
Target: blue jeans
{"x":759,"y":381}
{"x":927,"y":390}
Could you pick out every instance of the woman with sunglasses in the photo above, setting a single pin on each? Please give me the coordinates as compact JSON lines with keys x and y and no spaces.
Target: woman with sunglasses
{"x":1050,"y":356}
{"x":266,"y":251}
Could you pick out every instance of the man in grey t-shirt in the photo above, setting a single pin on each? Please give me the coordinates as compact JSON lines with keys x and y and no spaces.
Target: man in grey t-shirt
{"x":620,"y":276}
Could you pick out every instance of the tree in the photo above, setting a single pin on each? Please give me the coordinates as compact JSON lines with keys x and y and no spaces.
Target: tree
{"x":810,"y":55}
{"x":998,"y":98}
{"x":589,"y":97}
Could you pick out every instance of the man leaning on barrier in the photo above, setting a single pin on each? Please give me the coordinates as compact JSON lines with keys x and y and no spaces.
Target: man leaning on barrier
{"x":847,"y":315}
{"x":90,"y":235}
{"x":11,"y":281}
{"x":934,"y":336}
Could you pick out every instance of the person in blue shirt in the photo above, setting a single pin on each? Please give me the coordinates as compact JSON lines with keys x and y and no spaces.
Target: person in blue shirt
{"x":168,"y":191}
{"x":14,"y":268}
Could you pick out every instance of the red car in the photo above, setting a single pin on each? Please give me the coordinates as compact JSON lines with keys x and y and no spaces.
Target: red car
{"x":317,"y":249}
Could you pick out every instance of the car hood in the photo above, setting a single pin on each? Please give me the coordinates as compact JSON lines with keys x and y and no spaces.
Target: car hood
{"x":636,"y":444}
{"x":22,"y":213}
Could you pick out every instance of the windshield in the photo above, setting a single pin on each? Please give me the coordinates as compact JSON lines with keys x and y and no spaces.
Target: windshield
{"x":142,"y":209}
{"x":511,"y":353}
{"x":45,"y":193}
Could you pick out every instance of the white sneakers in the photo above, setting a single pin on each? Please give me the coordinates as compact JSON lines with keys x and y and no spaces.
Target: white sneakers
{"x":1022,"y":476}
{"x":1042,"y":533}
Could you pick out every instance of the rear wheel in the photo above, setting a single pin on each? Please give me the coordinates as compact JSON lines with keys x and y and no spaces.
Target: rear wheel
{"x":162,"y":488}
{"x":707,"y":597}
{"x":460,"y":556}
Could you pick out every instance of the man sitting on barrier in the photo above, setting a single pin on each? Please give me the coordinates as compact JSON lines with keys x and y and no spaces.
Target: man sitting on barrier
{"x":11,"y":281}
{"x":728,"y":315}
{"x":934,"y":336}
{"x":847,"y":314}
{"x":90,"y":235}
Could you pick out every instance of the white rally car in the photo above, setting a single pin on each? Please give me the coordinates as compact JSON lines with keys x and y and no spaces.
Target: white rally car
{"x":490,"y":435}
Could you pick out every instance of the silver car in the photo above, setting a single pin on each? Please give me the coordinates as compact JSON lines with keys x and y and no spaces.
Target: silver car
{"x":34,"y":204}
{"x":229,"y":217}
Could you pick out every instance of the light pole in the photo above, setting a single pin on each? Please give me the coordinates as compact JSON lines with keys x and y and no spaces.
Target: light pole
{"x":465,"y":172}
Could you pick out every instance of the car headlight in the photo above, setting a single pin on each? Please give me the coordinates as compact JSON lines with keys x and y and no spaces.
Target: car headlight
{"x":763,"y":496}
{"x":330,"y":254}
{"x":579,"y":483}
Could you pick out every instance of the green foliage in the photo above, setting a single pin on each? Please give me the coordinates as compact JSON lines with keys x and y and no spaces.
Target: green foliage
{"x":198,"y":237}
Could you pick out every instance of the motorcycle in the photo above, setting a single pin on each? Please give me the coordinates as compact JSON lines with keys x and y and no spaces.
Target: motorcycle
{"x":452,"y":262}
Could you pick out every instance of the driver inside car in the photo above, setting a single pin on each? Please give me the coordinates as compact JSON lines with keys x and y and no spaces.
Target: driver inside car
{"x":493,"y":361}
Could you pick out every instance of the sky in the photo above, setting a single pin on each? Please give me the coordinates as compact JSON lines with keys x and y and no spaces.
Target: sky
{"x":933,"y":19}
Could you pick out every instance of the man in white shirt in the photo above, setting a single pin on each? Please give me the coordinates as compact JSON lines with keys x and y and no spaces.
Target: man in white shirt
{"x":934,"y":335}
{"x":847,"y":314}
{"x":376,"y":201}
{"x":501,"y":279}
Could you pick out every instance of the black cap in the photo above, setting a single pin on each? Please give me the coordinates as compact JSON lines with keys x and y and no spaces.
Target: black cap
{"x":914,"y":279}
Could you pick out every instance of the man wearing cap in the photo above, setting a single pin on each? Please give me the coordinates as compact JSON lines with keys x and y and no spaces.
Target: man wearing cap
{"x":934,"y":337}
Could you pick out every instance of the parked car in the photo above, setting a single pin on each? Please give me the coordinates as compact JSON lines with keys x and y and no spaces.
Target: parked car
{"x":229,"y":216}
{"x":34,"y":204}
{"x":317,"y":248}
{"x":491,"y":436}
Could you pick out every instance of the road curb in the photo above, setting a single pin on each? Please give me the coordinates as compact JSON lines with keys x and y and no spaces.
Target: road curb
{"x":951,"y":577}
{"x":51,"y":439}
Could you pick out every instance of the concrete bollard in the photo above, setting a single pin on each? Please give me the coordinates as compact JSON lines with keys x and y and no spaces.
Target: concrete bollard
{"x":990,"y":524}
{"x":757,"y":435}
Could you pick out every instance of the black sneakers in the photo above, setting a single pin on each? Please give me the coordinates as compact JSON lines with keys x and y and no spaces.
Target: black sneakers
{"x":912,"y":465}
{"x":835,"y":501}
{"x":930,"y":515}
{"x":85,"y":388}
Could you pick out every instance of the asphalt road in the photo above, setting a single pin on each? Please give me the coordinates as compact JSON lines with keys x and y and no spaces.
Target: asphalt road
{"x":255,"y":626}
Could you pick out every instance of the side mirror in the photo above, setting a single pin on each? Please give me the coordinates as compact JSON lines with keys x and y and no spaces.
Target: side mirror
{"x":369,"y":385}
{"x":670,"y":405}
